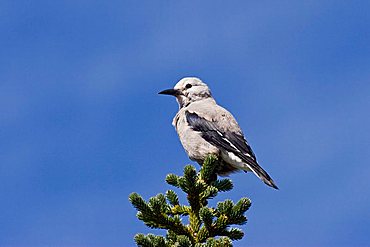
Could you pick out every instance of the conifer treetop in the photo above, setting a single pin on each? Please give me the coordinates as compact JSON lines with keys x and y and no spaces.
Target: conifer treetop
{"x":208,"y":226}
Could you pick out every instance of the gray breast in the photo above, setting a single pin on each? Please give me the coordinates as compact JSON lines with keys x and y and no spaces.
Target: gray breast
{"x":195,"y":146}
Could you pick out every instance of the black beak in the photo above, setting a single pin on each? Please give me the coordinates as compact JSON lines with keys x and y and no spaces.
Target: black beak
{"x":172,"y":92}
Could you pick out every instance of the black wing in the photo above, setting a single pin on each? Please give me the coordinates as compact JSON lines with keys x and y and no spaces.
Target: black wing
{"x":230,"y":141}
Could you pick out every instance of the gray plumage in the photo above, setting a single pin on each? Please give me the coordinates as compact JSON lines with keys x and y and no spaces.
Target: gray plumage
{"x":206,"y":128}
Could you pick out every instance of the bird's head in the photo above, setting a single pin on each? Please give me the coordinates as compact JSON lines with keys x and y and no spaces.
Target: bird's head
{"x":188,"y":90}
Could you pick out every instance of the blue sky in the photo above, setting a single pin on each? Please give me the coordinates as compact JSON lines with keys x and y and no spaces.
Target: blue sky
{"x":82,"y":126}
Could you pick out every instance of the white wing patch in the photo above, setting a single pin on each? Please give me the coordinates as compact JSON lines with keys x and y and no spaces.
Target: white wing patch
{"x":234,"y":160}
{"x":231,"y":144}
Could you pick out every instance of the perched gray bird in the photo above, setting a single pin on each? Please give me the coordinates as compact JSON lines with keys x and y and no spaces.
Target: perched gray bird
{"x":206,"y":128}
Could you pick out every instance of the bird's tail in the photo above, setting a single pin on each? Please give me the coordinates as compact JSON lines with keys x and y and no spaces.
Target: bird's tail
{"x":266,"y":179}
{"x":259,"y":172}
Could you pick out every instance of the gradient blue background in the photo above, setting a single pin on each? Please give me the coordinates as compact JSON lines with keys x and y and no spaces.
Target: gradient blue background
{"x":82,"y":126}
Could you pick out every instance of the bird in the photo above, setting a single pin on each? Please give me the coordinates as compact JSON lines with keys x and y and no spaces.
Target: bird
{"x":205,"y":128}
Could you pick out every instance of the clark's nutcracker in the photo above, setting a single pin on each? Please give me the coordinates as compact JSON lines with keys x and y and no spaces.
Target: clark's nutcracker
{"x":206,"y":128}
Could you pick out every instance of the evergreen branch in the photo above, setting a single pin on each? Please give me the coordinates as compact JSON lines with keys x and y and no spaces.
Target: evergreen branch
{"x":205,"y":223}
{"x":223,"y":184}
{"x":139,"y":203}
{"x":183,"y":241}
{"x":234,"y":234}
{"x":206,"y":216}
{"x":208,"y":170}
{"x":172,"y":198}
{"x":150,"y":240}
{"x":172,"y":179}
{"x":242,"y":205}
{"x":221,"y":242}
{"x":209,"y":193}
{"x":180,"y":210}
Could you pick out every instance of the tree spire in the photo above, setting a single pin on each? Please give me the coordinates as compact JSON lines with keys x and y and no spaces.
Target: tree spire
{"x":207,"y":226}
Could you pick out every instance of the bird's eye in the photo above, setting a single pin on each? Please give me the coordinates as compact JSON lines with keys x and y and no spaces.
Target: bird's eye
{"x":188,"y":86}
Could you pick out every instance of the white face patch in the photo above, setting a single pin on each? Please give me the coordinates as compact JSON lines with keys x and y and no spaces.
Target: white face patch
{"x":181,"y":100}
{"x":192,"y":89}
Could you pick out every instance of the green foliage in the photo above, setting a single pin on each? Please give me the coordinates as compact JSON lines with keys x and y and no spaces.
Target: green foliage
{"x":208,"y":226}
